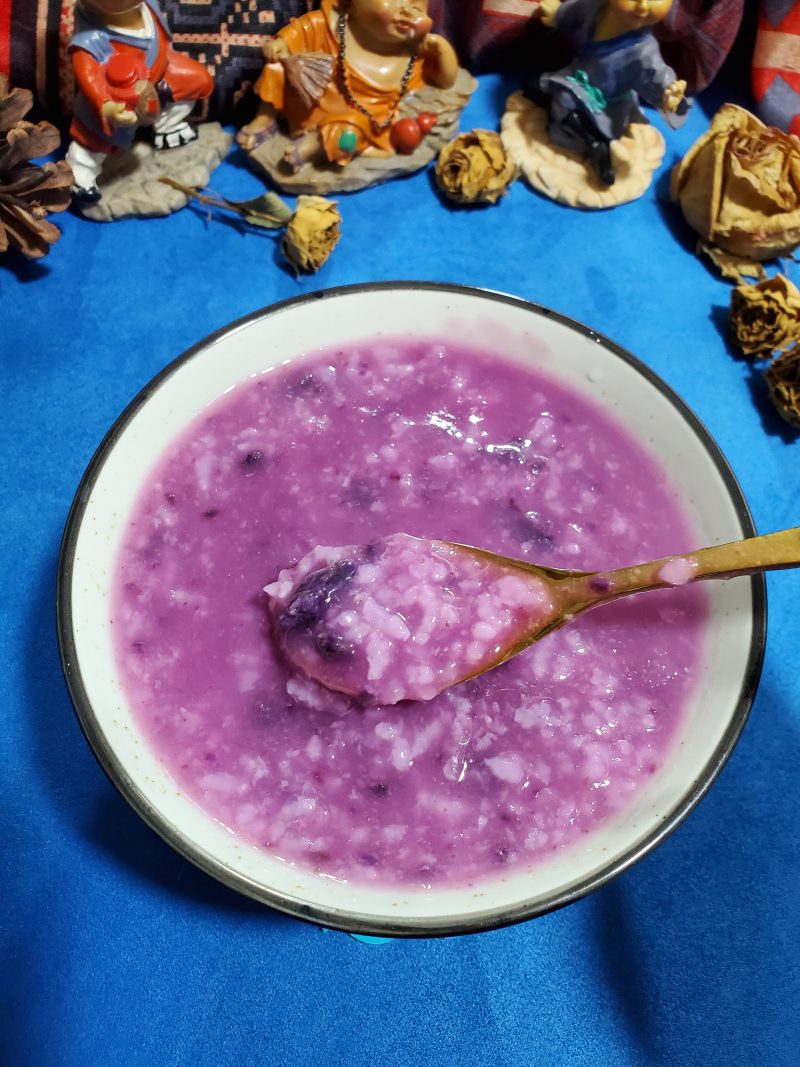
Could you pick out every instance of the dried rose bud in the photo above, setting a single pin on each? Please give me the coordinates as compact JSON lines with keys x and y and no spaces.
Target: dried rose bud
{"x":312,"y":233}
{"x":475,"y":168}
{"x":765,"y":318}
{"x":739,"y":186}
{"x":783,"y":380}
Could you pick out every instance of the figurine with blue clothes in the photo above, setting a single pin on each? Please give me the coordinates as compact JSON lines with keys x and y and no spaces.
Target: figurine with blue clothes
{"x":593,"y":100}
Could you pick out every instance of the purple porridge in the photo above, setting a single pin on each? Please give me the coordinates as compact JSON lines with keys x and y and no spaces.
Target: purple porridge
{"x":447,"y":443}
{"x":401,"y":618}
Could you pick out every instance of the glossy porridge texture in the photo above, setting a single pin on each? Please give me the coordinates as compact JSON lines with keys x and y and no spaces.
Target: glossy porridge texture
{"x":439,"y":441}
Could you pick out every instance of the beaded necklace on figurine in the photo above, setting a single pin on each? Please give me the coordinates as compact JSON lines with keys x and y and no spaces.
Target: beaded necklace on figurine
{"x":379,"y":127}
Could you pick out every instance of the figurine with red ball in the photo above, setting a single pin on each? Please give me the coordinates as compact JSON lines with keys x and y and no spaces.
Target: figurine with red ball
{"x":337,"y":77}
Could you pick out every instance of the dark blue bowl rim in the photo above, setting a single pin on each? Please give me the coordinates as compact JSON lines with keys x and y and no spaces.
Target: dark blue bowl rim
{"x":397,"y":926}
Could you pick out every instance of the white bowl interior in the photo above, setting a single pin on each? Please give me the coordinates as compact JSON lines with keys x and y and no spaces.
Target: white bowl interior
{"x":513,"y":330}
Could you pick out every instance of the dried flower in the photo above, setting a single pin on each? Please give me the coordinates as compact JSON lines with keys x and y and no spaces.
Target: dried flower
{"x":313,"y":232}
{"x":765,"y":318}
{"x":739,"y":186}
{"x":783,"y":381}
{"x":28,"y":191}
{"x":475,"y":168}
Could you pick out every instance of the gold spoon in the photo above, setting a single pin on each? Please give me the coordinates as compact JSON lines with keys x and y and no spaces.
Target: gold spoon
{"x":572,"y":592}
{"x":321,"y":621}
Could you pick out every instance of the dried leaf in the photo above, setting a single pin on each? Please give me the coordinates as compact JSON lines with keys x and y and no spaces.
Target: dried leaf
{"x":267,"y":210}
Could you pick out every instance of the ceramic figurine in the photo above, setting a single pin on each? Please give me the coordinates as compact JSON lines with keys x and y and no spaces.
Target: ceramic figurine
{"x":593,"y":103}
{"x":339,"y":82}
{"x":127,"y":76}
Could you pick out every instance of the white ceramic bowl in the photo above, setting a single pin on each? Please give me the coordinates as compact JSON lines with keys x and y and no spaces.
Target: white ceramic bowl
{"x":515,"y":329}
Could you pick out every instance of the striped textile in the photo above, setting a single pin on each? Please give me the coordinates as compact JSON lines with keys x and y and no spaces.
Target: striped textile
{"x":30,"y":46}
{"x":776,"y":64}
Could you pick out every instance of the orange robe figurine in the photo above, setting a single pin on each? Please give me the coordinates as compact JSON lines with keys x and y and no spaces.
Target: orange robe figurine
{"x":338,"y":76}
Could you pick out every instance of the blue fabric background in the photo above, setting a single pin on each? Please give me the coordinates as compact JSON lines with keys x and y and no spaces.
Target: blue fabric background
{"x":114,"y":950}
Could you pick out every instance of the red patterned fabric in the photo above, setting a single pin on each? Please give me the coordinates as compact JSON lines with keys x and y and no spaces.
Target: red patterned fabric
{"x":697,"y":35}
{"x":5,"y":36}
{"x":776,"y":64}
{"x":487,"y":34}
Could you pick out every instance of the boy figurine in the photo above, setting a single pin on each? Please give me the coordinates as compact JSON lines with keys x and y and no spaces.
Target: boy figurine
{"x":338,"y":76}
{"x":127,"y":75}
{"x":593,"y":100}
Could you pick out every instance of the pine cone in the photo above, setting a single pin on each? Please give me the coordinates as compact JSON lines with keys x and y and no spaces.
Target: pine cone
{"x":28,"y":190}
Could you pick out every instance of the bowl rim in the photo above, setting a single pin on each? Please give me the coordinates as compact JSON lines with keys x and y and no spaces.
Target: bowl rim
{"x":332,"y":917}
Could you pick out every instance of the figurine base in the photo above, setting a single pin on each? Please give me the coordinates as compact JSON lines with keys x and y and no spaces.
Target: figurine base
{"x":130,"y":180}
{"x":323,"y":177}
{"x":566,"y":176}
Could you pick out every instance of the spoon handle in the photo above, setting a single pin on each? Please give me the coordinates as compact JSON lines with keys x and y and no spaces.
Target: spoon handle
{"x":768,"y":552}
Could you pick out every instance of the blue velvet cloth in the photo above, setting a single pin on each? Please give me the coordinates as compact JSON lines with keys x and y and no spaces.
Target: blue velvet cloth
{"x":115,"y":950}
